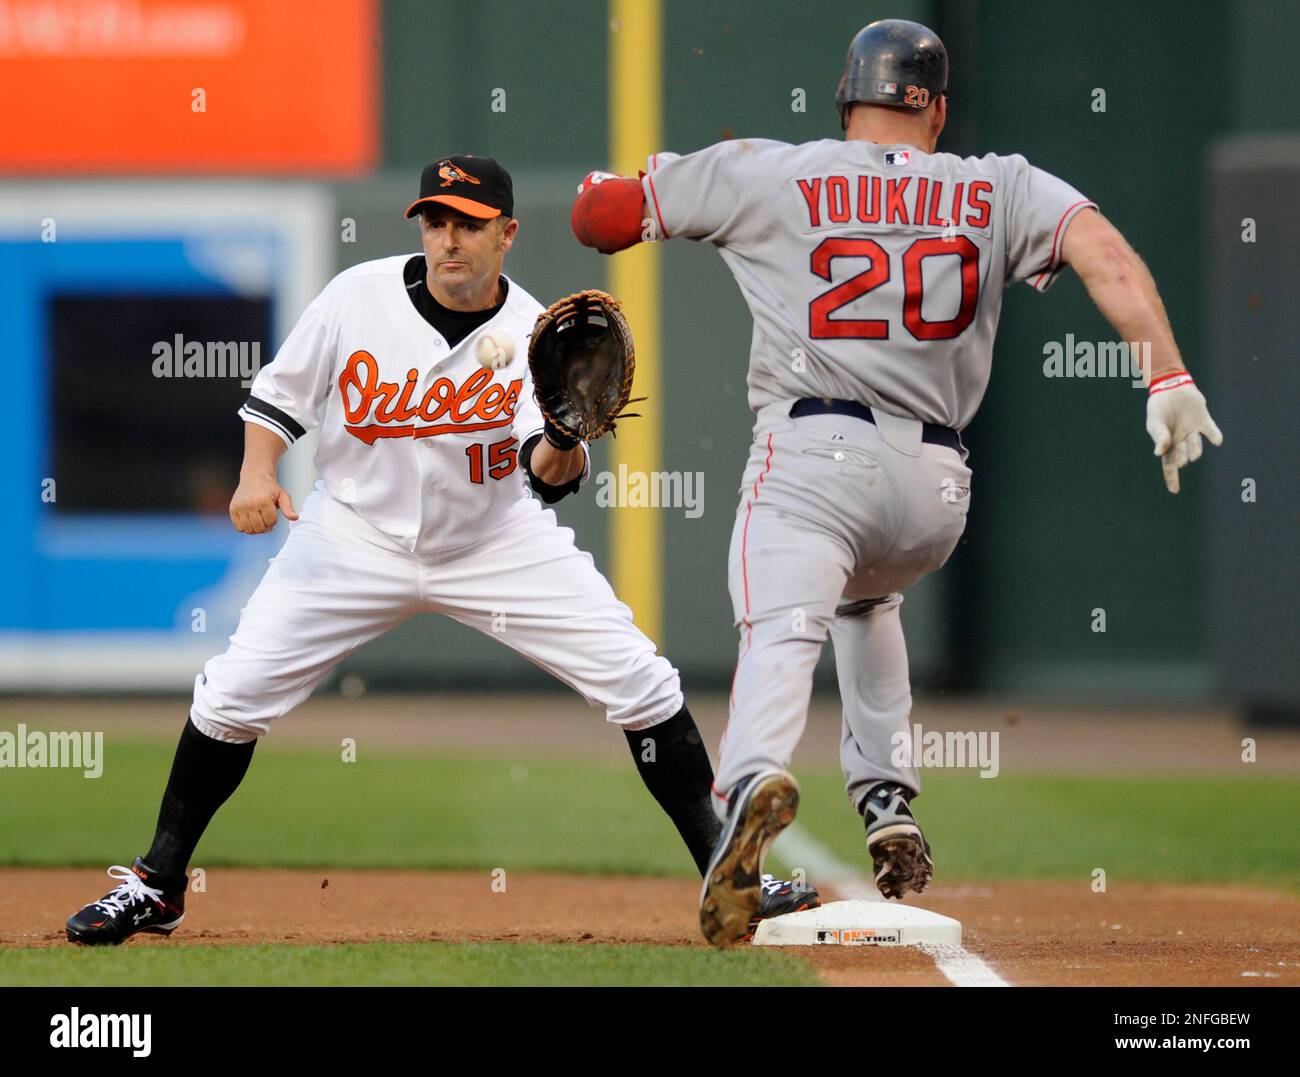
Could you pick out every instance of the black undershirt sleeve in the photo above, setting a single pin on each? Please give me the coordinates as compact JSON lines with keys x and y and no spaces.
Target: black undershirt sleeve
{"x":548,"y":493}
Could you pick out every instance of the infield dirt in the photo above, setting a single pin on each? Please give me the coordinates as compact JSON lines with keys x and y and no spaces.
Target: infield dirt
{"x":1032,"y":933}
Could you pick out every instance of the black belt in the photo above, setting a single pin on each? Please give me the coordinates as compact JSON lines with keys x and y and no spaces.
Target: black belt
{"x":931,"y":432}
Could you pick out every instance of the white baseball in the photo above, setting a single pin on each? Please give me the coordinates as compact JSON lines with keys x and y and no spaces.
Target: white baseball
{"x":494,"y":350}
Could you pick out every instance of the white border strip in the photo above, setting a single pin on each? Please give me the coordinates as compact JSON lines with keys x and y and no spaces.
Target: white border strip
{"x":824,"y":868}
{"x":102,"y":661}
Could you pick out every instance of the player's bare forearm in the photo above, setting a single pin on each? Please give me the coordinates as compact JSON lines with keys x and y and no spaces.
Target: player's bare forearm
{"x":259,"y":494}
{"x":555,"y":467}
{"x":262,"y":450}
{"x":1122,"y":287}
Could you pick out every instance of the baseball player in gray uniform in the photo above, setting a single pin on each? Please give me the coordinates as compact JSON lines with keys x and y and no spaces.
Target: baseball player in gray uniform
{"x":874,"y":268}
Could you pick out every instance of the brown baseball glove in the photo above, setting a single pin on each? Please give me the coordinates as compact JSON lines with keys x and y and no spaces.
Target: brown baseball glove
{"x":582,"y":362}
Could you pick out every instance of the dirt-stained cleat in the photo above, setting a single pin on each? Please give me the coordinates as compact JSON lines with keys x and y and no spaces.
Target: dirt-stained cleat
{"x":141,"y":901}
{"x":762,"y":805}
{"x":899,"y":852}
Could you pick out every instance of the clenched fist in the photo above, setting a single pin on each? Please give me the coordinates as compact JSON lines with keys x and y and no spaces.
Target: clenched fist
{"x":1176,"y":419}
{"x":253,"y":508}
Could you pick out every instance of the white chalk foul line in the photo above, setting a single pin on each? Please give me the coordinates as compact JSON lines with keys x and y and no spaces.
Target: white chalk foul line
{"x":962,"y":967}
{"x":824,"y":868}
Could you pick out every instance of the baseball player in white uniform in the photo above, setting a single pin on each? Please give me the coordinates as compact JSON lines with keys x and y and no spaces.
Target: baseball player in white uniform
{"x":874,"y":268}
{"x":414,"y":369}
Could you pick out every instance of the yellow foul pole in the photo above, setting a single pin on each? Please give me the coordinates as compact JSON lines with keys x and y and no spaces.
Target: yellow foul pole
{"x":635,"y":98}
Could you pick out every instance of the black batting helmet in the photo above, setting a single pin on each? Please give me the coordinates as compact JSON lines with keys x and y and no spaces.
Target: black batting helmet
{"x":893,"y":62}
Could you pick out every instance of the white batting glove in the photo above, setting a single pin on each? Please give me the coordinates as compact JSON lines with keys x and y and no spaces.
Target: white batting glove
{"x":1176,"y":419}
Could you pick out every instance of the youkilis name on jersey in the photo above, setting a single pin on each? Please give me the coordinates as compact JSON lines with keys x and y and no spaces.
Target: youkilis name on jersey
{"x":921,"y":202}
{"x":477,"y":403}
{"x":810,"y":230}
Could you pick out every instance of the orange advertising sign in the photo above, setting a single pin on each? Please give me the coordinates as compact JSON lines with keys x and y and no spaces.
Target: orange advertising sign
{"x":281,"y":86}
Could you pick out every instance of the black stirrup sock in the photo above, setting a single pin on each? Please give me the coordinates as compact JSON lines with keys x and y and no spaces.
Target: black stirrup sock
{"x":204,"y":774}
{"x":675,"y":768}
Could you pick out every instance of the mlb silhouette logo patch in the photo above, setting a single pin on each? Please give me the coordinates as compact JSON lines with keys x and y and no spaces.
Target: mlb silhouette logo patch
{"x":897,"y":158}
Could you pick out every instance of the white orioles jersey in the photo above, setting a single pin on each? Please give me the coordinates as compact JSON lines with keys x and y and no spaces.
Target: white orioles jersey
{"x":416,"y":437}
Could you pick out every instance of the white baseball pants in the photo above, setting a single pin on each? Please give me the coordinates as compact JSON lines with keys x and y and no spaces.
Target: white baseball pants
{"x":338,"y":583}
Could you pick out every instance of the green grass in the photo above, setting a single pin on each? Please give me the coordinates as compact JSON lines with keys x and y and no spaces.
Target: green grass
{"x":307,"y":808}
{"x":1062,"y":826}
{"x":420,"y":809}
{"x":380,"y":964}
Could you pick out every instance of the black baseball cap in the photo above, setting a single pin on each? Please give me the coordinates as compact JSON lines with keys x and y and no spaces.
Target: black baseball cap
{"x":476,"y":186}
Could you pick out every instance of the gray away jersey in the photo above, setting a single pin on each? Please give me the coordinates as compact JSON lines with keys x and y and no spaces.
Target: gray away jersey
{"x":873,"y":273}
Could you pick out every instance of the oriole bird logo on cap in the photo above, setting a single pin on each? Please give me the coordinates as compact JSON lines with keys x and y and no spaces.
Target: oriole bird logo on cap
{"x":451,"y":173}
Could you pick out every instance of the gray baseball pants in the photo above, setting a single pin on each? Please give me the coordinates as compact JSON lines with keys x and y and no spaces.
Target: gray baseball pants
{"x":837,"y":517}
